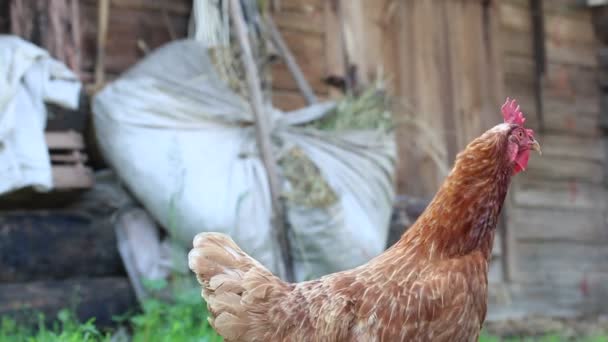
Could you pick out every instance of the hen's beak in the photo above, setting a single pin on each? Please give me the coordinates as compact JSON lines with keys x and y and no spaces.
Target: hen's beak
{"x":536,"y":147}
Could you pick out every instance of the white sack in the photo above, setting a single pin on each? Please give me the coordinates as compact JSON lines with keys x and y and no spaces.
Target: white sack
{"x":28,"y":78}
{"x":185,"y":146}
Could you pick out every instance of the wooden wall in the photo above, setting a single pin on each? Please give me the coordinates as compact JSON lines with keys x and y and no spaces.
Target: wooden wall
{"x":439,"y":58}
{"x":302,"y":24}
{"x":557,"y":228}
{"x":452,"y":63}
{"x":134,"y":25}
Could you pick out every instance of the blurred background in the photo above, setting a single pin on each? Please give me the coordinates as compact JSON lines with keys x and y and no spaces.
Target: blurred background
{"x":128,"y":126}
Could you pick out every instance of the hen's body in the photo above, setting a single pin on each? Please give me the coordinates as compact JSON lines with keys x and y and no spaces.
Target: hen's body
{"x":430,"y":286}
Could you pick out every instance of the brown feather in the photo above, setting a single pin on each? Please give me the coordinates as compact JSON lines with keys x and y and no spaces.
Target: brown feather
{"x":431,"y":285}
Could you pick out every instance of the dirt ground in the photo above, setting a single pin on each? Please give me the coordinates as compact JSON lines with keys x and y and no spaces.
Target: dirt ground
{"x":539,"y":326}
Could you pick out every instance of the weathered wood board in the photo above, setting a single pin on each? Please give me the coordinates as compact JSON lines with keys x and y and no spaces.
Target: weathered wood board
{"x":131,"y":21}
{"x":554,"y":225}
{"x":45,"y":245}
{"x":99,"y":298}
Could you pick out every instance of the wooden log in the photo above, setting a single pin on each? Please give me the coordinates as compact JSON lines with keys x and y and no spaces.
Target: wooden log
{"x":56,"y":245}
{"x":99,"y":298}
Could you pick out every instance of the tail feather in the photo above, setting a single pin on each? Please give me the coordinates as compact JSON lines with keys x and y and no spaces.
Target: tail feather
{"x":235,"y":286}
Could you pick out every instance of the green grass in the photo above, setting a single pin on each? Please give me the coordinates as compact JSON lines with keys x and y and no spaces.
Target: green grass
{"x":547,"y":338}
{"x":65,"y":328}
{"x":183,"y":320}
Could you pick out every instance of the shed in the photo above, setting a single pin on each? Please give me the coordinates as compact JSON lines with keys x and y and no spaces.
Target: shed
{"x":450,"y":64}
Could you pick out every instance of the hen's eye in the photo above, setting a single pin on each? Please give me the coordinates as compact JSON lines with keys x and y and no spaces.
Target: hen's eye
{"x":520,"y":134}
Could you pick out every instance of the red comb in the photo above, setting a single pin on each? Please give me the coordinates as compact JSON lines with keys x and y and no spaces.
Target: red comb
{"x":511,"y":113}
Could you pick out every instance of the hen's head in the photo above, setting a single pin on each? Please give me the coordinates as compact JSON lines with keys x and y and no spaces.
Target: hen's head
{"x":520,"y":140}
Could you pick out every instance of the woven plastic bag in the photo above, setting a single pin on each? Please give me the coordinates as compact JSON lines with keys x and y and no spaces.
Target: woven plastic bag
{"x":184,"y":144}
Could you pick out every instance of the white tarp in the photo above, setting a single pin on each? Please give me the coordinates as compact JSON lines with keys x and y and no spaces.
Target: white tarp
{"x":184,"y":144}
{"x":29,"y":77}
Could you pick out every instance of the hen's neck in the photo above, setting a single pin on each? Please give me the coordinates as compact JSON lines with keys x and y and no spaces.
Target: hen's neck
{"x":463,"y":215}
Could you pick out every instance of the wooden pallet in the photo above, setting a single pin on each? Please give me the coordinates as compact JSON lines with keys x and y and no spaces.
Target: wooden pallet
{"x":68,"y":161}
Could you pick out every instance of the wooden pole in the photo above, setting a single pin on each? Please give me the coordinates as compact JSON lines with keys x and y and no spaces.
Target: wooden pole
{"x":103,"y":16}
{"x":295,"y":70}
{"x":262,"y":126}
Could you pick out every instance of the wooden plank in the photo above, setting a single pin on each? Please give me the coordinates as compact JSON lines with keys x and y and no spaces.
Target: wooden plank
{"x":72,"y":177}
{"x":560,"y":28}
{"x":353,"y":28}
{"x":334,"y":46}
{"x":558,"y":195}
{"x":282,"y":78}
{"x":520,"y":43}
{"x":380,"y":40}
{"x":548,"y":224}
{"x":288,"y":100}
{"x":126,"y":26}
{"x":565,"y":8}
{"x":304,"y":6}
{"x":74,"y":157}
{"x":69,"y":140}
{"x":421,"y":87}
{"x":572,"y":116}
{"x":564,"y":169}
{"x":568,"y":146}
{"x":43,"y":245}
{"x":562,"y":80}
{"x":99,"y":298}
{"x":307,"y":50}
{"x":559,"y":263}
{"x":515,"y":301}
{"x":180,"y":7}
{"x":311,"y":22}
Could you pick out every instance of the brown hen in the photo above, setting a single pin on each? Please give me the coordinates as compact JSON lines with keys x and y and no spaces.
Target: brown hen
{"x":430,"y":286}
